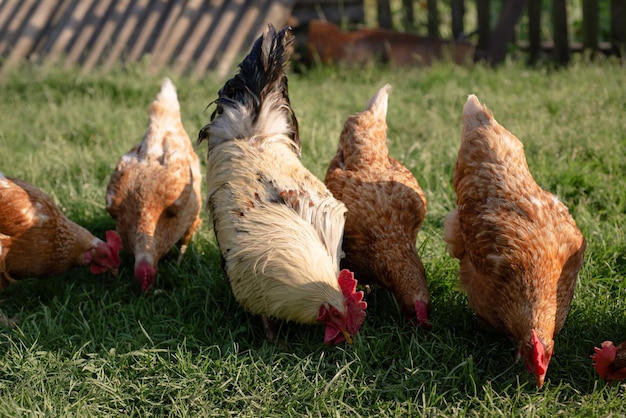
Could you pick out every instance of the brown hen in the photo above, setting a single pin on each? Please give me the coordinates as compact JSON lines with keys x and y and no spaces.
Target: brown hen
{"x":386,"y":208}
{"x":154,"y":192}
{"x":38,"y":240}
{"x":519,"y":249}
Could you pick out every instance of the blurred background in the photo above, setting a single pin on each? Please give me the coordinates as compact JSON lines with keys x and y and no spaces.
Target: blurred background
{"x":197,"y":36}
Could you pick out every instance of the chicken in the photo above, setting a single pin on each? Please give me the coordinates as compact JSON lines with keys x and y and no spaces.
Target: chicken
{"x":154,"y":192}
{"x":519,"y":249}
{"x":610,"y":361}
{"x":278,"y":228}
{"x":386,"y":209}
{"x":38,"y":240}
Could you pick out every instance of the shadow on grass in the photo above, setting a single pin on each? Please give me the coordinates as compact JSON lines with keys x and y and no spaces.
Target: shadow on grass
{"x":193,"y":306}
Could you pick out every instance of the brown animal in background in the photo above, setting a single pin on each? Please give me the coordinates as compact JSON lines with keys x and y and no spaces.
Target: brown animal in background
{"x":386,"y":209}
{"x":38,"y":240}
{"x":610,"y":361}
{"x":519,"y":249}
{"x":154,"y":192}
{"x":327,"y":44}
{"x":278,"y":227}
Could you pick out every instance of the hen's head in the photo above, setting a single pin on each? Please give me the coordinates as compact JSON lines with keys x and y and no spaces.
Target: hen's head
{"x":105,"y":256}
{"x":608,"y":361}
{"x":145,"y":274}
{"x":536,"y":357}
{"x":603,"y":358}
{"x":342,"y":325}
{"x":421,"y":313}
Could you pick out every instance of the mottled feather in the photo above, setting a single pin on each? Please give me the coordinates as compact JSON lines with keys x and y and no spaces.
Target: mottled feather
{"x":38,"y":240}
{"x":519,"y":249}
{"x":386,"y":208}
{"x":154,"y":192}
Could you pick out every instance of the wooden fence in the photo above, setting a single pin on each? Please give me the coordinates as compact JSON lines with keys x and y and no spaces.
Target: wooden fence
{"x":493,"y":42}
{"x":191,"y":36}
{"x":195,"y":36}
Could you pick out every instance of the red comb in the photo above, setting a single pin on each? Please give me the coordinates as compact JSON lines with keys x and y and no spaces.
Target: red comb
{"x":354,"y":300}
{"x":603,"y":357}
{"x":347,"y":282}
{"x":114,"y":242}
{"x":145,"y":275}
{"x":421,"y":313}
{"x":607,"y":350}
{"x":538,"y":354}
{"x":113,"y":238}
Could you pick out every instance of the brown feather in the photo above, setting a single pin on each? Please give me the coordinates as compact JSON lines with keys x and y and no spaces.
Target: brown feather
{"x":154,"y":192}
{"x":36,"y":238}
{"x":520,"y":250}
{"x":386,"y":207}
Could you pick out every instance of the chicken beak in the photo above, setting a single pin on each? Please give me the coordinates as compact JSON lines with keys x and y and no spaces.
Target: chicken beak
{"x":114,"y":271}
{"x":539,"y":380}
{"x":347,"y":336}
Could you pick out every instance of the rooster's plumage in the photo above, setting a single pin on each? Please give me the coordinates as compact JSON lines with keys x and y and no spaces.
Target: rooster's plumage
{"x":278,"y":228}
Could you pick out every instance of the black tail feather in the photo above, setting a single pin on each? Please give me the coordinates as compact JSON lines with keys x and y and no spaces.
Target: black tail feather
{"x":261,"y":73}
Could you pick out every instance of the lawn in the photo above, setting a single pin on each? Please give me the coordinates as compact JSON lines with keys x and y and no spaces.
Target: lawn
{"x":94,"y":346}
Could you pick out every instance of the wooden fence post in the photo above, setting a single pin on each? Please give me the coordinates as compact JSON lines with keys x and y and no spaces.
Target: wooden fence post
{"x":534,"y":30}
{"x":618,"y":26}
{"x":457,"y":8}
{"x":433,"y":19}
{"x":504,"y":31}
{"x":590,"y":25}
{"x":559,"y":25}
{"x":384,"y":14}
{"x":483,"y":11}
{"x":409,"y":16}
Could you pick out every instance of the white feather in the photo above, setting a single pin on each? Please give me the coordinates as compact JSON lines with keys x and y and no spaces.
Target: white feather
{"x":278,"y":256}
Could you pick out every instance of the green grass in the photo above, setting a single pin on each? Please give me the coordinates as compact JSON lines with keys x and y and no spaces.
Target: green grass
{"x":93,"y":346}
